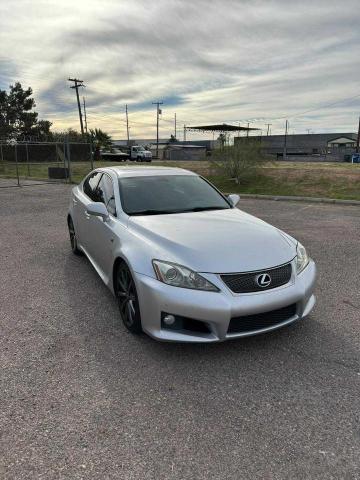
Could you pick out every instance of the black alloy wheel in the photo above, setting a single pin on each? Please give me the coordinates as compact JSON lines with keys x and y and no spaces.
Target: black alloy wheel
{"x":72,"y":235}
{"x":127,"y":298}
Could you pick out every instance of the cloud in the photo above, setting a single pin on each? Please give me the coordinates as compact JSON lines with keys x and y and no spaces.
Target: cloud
{"x":210,"y":61}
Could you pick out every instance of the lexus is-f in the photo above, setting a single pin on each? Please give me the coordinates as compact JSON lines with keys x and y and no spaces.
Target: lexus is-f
{"x":183,"y":262}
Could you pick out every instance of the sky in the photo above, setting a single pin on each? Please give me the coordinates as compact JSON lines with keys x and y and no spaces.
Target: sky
{"x":208,"y":61}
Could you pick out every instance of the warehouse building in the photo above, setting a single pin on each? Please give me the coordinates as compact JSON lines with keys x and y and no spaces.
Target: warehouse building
{"x":308,"y":147}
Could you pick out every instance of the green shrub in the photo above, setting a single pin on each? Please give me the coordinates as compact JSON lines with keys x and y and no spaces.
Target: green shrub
{"x":241,"y":161}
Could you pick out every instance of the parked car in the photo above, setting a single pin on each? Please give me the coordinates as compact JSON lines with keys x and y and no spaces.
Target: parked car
{"x":182,"y":261}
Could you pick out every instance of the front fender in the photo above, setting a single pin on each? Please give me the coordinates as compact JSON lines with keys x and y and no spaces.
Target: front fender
{"x":135,"y":251}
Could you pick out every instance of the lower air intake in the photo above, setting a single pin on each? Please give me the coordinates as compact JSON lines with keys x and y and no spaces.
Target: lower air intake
{"x":259,"y":321}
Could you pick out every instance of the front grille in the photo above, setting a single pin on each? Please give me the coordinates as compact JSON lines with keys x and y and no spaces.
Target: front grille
{"x":259,"y":321}
{"x":247,"y":283}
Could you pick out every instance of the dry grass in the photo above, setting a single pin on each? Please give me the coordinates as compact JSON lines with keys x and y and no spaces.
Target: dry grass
{"x":332,"y":180}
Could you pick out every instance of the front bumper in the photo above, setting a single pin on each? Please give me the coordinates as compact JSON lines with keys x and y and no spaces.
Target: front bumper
{"x":217,"y":308}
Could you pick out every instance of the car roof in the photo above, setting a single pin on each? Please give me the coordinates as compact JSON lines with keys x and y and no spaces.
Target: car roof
{"x":142,"y":171}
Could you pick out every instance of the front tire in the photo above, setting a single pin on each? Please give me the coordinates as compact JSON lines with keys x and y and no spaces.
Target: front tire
{"x":73,"y":239}
{"x":126,"y":295}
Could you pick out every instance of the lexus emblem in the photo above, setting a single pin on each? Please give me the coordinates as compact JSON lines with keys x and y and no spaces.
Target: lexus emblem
{"x":263,"y":280}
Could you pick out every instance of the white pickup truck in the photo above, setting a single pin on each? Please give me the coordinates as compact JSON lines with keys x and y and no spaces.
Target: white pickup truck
{"x":135,"y":153}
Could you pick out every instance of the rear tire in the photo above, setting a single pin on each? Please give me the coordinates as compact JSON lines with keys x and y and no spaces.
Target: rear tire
{"x":126,"y":295}
{"x":73,"y":239}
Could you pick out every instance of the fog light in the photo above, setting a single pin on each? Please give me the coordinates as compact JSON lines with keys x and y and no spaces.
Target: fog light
{"x":169,"y":319}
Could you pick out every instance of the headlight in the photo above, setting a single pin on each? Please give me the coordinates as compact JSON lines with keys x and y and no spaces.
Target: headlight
{"x":302,"y":258}
{"x":179,"y":276}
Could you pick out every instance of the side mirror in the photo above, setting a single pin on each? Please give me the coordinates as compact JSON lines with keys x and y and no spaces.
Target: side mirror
{"x":98,"y":209}
{"x":234,"y":199}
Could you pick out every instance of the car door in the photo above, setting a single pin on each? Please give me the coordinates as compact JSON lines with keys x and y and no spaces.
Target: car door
{"x":81,"y":197}
{"x":101,"y":236}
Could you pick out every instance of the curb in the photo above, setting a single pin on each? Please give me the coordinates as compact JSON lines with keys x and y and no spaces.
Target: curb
{"x":300,"y":199}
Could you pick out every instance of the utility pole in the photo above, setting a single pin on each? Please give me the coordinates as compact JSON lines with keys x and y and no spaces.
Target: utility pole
{"x":85,"y":115}
{"x":158,"y":112}
{"x":127,"y":124}
{"x":268,"y":129}
{"x":358,"y":139}
{"x":184,"y":133}
{"x":285,"y":139}
{"x":175,"y":125}
{"x":308,"y":131}
{"x":247,"y":132}
{"x":78,"y":83}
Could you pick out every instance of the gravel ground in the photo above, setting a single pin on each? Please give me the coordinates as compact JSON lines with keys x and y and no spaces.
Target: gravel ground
{"x":83,"y":399}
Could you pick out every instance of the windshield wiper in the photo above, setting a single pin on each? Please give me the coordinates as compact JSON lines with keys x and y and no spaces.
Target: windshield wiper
{"x":203,"y":209}
{"x":153,"y":212}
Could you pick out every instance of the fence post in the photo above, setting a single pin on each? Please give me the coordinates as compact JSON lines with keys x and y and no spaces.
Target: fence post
{"x":16,"y":163}
{"x":27,"y":159}
{"x":68,"y":157}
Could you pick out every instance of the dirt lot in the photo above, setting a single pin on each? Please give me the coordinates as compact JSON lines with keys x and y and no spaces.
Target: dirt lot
{"x":83,"y":399}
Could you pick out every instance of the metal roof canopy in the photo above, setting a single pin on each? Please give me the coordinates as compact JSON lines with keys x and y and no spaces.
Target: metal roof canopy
{"x":222,"y":127}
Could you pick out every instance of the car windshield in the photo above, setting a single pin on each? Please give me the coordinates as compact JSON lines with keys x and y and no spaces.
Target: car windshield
{"x":139,"y":149}
{"x":166,"y":194}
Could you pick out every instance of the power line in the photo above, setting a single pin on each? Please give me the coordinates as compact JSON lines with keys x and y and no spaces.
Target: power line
{"x":319,"y":108}
{"x":77,"y":84}
{"x":299,"y":114}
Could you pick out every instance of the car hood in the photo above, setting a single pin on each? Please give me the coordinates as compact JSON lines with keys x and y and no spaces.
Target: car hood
{"x":218,"y":241}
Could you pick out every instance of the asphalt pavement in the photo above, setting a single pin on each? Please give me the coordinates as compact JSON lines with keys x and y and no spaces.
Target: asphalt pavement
{"x":80,"y":398}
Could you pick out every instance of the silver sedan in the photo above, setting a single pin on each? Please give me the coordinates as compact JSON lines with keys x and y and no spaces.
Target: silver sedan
{"x":182,"y":261}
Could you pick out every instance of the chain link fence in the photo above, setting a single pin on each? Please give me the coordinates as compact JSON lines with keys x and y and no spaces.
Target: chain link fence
{"x":30,"y":163}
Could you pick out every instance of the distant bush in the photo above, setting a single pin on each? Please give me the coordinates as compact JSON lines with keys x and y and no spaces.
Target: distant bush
{"x":240,"y":161}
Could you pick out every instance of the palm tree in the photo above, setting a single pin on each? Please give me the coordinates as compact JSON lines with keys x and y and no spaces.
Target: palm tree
{"x":100,"y":139}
